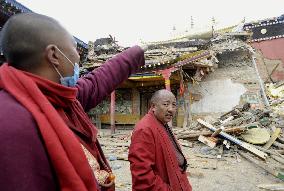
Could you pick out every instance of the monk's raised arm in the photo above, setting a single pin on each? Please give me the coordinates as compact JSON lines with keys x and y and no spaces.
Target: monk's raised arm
{"x":99,"y":83}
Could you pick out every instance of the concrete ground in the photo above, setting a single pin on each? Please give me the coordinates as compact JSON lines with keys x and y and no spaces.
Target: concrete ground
{"x":206,"y":173}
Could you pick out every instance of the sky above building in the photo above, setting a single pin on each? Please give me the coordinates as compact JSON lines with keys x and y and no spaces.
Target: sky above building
{"x":134,"y":21}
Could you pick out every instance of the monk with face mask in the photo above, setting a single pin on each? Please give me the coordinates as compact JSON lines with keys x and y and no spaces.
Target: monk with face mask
{"x":48,"y":143}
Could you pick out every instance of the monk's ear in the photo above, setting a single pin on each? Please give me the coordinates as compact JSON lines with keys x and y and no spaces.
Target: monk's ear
{"x":51,"y":55}
{"x":152,"y":107}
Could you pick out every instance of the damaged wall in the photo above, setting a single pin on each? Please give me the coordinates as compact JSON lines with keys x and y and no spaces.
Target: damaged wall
{"x":272,"y":50}
{"x":217,"y":96}
{"x":233,"y":83}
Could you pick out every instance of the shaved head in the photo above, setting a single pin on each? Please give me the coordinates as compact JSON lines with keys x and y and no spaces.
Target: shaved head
{"x":25,"y":37}
{"x":159,"y":94}
{"x":163,"y":104}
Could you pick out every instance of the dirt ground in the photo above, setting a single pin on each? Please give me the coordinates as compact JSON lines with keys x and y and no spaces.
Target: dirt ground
{"x":207,"y":172}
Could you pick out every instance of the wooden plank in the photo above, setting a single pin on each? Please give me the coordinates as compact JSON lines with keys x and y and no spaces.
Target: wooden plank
{"x":278,"y":158}
{"x":217,"y":132}
{"x":272,"y":187}
{"x":280,"y":139}
{"x":279,"y":145}
{"x":275,"y":173}
{"x":273,"y":137}
{"x":122,"y":157}
{"x":195,"y":135}
{"x":227,"y":120}
{"x":244,"y":145}
{"x":208,"y":141}
{"x":271,"y":152}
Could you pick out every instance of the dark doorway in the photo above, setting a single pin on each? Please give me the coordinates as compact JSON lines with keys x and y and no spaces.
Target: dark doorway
{"x":145,"y":102}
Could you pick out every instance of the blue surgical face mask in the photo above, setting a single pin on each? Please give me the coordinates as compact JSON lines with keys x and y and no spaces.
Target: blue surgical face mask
{"x":69,"y":81}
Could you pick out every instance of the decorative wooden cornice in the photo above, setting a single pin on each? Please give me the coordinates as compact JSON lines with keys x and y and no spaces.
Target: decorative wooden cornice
{"x":265,"y":30}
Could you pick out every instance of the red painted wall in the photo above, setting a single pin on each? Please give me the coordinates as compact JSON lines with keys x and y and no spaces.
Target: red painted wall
{"x":273,"y":50}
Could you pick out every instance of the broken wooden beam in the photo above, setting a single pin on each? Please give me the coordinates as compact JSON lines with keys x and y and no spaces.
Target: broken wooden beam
{"x":272,"y":187}
{"x":121,"y":157}
{"x":279,"y":145}
{"x":273,"y":138}
{"x":217,"y":132}
{"x":242,"y":144}
{"x":280,"y":139}
{"x":275,"y":173}
{"x":226,"y":120}
{"x":280,"y":152}
{"x":271,"y":152}
{"x":235,"y":122}
{"x":196,"y":134}
{"x":278,"y":158}
{"x":209,"y":141}
{"x":225,"y":114}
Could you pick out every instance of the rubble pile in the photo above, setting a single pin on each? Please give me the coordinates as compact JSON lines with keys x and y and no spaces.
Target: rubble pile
{"x":254,"y":135}
{"x":231,"y":51}
{"x":275,"y":93}
{"x":259,"y":131}
{"x":159,"y":55}
{"x":173,"y":51}
{"x":242,"y":134}
{"x":237,"y":121}
{"x":223,"y":43}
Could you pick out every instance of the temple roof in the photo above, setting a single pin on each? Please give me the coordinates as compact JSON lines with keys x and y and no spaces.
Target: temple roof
{"x":18,"y":6}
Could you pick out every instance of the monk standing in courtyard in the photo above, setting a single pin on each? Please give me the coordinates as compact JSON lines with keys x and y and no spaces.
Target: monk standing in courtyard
{"x":156,"y":160}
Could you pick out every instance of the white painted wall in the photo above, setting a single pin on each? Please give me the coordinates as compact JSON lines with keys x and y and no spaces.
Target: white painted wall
{"x":217,"y":96}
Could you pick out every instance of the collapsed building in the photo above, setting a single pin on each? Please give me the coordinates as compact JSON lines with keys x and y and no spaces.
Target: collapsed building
{"x":209,"y":75}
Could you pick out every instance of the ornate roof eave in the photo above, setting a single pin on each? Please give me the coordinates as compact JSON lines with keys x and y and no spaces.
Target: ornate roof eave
{"x":180,"y":61}
{"x":267,"y":38}
{"x":264,"y":30}
{"x":81,"y":44}
{"x":15,"y":6}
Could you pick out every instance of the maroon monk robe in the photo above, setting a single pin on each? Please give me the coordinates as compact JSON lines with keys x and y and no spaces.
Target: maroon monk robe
{"x":126,"y":63}
{"x":24,"y":162}
{"x":153,"y":162}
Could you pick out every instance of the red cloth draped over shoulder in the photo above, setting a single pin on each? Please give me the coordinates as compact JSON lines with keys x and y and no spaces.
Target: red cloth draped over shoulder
{"x":41,"y":97}
{"x":153,"y":160}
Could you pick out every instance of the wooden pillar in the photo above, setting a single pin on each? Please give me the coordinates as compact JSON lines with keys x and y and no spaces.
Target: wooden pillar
{"x":166,"y":75}
{"x":112,"y":112}
{"x":135,"y":101}
{"x":187,"y":107}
